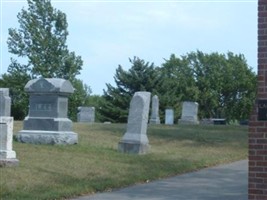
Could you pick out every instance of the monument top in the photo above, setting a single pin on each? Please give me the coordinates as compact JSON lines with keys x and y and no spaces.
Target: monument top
{"x":49,"y":85}
{"x":4,"y":91}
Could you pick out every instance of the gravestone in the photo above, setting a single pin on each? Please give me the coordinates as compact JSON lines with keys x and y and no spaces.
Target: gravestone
{"x":135,"y":139}
{"x":5,"y":102}
{"x":86,"y":114}
{"x":7,"y":155}
{"x":169,"y":116}
{"x":154,"y":118}
{"x":47,"y":121}
{"x":189,"y":113}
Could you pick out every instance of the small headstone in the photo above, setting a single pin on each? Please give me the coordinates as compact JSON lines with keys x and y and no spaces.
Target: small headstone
{"x":154,"y":118}
{"x":135,"y":139}
{"x":86,"y":114}
{"x":189,"y":113}
{"x":5,"y":102}
{"x":47,"y":121}
{"x":169,"y":116}
{"x":7,"y":155}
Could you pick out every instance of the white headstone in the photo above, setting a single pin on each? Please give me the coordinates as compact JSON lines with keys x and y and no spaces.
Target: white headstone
{"x":5,"y":102}
{"x":189,"y":113}
{"x":154,"y":118}
{"x":169,"y":116}
{"x":135,"y":139}
{"x":7,"y":155}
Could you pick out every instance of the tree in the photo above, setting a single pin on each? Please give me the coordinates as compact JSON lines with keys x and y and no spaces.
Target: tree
{"x":178,"y":84}
{"x":226,"y":83}
{"x":142,"y":76}
{"x":41,"y":43}
{"x":223,"y":85}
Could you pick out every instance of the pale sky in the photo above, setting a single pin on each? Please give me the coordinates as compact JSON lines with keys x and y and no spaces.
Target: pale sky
{"x":108,"y":33}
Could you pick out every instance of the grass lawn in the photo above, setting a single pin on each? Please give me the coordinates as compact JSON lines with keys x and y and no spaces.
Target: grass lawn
{"x":95,"y":165}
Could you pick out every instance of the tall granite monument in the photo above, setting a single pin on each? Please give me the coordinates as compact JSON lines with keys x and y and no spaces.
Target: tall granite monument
{"x":7,"y":155}
{"x":135,"y":139}
{"x":47,"y":121}
{"x":154,"y":118}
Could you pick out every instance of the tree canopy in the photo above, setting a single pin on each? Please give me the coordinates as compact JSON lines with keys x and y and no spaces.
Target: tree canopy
{"x":223,"y":85}
{"x":39,"y":45}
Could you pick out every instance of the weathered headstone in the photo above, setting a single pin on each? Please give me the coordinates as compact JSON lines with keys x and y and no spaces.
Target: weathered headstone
{"x":7,"y":155}
{"x":86,"y":114}
{"x":154,"y":118}
{"x":169,"y":116}
{"x":135,"y":139}
{"x":189,"y":113}
{"x":5,"y":102}
{"x":47,"y":121}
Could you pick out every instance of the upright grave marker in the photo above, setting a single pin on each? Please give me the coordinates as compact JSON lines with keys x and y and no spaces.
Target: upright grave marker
{"x":135,"y":139}
{"x":169,"y":116}
{"x":47,"y":121}
{"x":7,"y":155}
{"x":189,"y":113}
{"x":154,"y":118}
{"x":86,"y":114}
{"x":258,"y":121}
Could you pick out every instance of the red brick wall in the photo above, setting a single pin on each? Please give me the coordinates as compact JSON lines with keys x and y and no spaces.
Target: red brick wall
{"x":258,"y":128}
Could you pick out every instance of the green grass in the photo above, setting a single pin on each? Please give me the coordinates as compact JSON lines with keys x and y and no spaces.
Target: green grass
{"x":95,"y":165}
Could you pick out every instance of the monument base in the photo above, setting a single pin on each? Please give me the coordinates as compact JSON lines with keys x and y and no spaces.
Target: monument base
{"x":47,"y":137}
{"x":188,"y":122}
{"x":5,"y":154}
{"x":133,"y":148}
{"x":10,"y":162}
{"x":154,"y":121}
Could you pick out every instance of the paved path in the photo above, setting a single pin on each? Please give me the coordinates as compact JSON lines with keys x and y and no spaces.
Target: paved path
{"x":224,"y":182}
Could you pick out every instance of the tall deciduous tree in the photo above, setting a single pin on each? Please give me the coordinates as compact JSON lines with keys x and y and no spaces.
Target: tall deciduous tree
{"x":40,"y":43}
{"x":223,"y":85}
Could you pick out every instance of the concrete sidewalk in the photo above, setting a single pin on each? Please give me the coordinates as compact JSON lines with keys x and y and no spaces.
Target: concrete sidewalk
{"x":224,"y":182}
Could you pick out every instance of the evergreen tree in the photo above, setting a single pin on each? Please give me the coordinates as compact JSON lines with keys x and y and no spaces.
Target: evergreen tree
{"x":142,"y":76}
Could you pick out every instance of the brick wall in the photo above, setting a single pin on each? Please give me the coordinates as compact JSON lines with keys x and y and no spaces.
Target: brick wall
{"x":258,"y":121}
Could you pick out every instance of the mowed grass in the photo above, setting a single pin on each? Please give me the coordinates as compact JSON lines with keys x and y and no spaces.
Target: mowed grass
{"x":95,"y":165}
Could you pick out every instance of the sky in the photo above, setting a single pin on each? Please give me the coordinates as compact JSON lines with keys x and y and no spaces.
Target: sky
{"x":107,"y":33}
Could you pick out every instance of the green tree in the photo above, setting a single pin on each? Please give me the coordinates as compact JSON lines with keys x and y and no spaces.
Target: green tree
{"x":177,"y":84}
{"x":226,"y":83}
{"x":142,"y":76}
{"x":223,"y":85}
{"x":40,"y":42}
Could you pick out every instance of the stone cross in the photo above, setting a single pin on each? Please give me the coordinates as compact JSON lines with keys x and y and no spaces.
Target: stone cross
{"x":135,"y":139}
{"x":169,"y":116}
{"x":86,"y":114}
{"x":47,"y":121}
{"x":154,"y":118}
{"x":189,"y":113}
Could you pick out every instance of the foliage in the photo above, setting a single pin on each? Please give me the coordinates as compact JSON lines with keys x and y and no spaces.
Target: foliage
{"x":142,"y":76}
{"x":226,"y":83}
{"x":40,"y":42}
{"x":78,"y":98}
{"x":223,"y":85}
{"x":96,"y":101}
